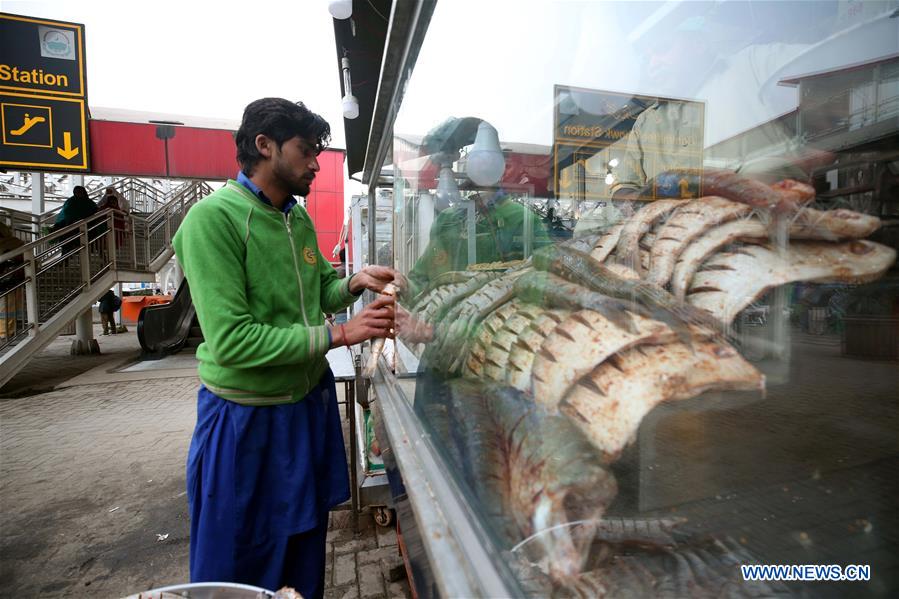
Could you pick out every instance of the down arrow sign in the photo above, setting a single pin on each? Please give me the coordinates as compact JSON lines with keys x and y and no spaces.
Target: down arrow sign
{"x":67,"y":152}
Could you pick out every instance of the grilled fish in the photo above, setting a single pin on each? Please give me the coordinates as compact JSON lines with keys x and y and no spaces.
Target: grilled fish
{"x":653,"y":301}
{"x":536,"y":471}
{"x":581,"y":342}
{"x":628,"y":248}
{"x":609,"y":403}
{"x":729,"y":282}
{"x":686,"y":224}
{"x":606,"y":243}
{"x":524,"y":351}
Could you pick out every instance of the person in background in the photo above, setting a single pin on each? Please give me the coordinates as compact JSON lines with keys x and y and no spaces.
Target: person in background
{"x":109,"y":303}
{"x":75,"y":209}
{"x":111,"y":201}
{"x":499,"y":237}
{"x":267,"y":459}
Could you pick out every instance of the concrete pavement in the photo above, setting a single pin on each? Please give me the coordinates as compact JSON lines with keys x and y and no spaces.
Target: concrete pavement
{"x":92,"y":484}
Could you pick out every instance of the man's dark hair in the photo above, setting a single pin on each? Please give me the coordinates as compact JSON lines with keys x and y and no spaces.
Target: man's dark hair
{"x":279,"y":120}
{"x":79,"y":191}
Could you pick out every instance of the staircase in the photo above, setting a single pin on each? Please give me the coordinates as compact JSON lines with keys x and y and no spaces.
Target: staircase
{"x":56,"y":276}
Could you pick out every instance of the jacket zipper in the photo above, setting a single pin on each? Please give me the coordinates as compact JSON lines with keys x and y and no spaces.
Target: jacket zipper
{"x":296,"y":268}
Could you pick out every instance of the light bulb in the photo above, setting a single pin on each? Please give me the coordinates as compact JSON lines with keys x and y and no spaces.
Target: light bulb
{"x":340,"y":9}
{"x":447,"y":190}
{"x":613,"y":162}
{"x":610,"y":178}
{"x":485,"y":165}
{"x":350,"y":107}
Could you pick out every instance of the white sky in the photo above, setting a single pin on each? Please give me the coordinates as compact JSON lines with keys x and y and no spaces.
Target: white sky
{"x":202,"y":58}
{"x":494,"y":59}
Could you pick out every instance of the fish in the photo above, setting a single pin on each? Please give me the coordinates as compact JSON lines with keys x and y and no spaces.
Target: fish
{"x":686,"y":224}
{"x":840,"y":223}
{"x":606,"y":243}
{"x":651,"y":300}
{"x":700,"y":567}
{"x":581,"y":342}
{"x":477,"y":352}
{"x":730,"y":281}
{"x":697,"y":252}
{"x":524,"y":351}
{"x":608,"y":404}
{"x":785,"y":197}
{"x":808,"y":224}
{"x":377,"y":344}
{"x":443,"y":279}
{"x":622,"y":271}
{"x":627,"y":250}
{"x":455,"y":330}
{"x":427,"y":305}
{"x":549,"y":289}
{"x":535,"y":471}
{"x":798,"y":192}
{"x":473,"y":284}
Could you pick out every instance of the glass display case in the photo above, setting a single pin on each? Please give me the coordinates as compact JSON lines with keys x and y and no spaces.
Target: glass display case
{"x":649,"y":333}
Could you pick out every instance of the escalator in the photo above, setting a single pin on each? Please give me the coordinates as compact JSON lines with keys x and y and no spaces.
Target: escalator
{"x":165,"y":329}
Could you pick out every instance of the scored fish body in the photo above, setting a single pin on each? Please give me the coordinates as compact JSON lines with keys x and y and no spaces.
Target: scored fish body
{"x":638,"y":297}
{"x":608,"y":404}
{"x":607,"y":243}
{"x":808,"y":224}
{"x":729,"y":282}
{"x":832,"y":224}
{"x":628,"y":247}
{"x":697,"y":252}
{"x":686,"y":224}
{"x":524,"y":350}
{"x":581,"y":342}
{"x":426,"y":308}
{"x":537,"y":472}
{"x":453,"y":277}
{"x":550,"y":289}
{"x":477,"y":353}
{"x":456,"y":332}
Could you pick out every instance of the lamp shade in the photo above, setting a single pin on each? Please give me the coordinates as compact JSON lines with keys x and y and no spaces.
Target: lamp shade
{"x":340,"y":9}
{"x":485,"y":165}
{"x":350,"y":107}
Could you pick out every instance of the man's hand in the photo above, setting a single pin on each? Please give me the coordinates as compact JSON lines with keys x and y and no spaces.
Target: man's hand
{"x":410,"y":329}
{"x":374,"y":277}
{"x":375,"y":320}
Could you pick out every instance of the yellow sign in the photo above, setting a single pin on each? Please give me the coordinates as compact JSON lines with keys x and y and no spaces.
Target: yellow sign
{"x":43,"y":132}
{"x":43,"y":95}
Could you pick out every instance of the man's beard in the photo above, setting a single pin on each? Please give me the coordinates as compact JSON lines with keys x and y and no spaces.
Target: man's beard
{"x":295,"y":185}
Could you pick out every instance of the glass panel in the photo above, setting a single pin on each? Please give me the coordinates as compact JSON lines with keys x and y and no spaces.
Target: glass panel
{"x":651,"y":261}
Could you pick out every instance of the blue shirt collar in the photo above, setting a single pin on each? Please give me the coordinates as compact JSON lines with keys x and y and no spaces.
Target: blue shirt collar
{"x":245,"y":181}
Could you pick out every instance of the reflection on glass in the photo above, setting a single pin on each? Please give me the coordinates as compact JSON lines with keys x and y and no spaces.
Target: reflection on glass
{"x":666,"y":340}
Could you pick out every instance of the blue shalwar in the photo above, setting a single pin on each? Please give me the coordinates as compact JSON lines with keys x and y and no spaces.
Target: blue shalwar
{"x":260,"y":484}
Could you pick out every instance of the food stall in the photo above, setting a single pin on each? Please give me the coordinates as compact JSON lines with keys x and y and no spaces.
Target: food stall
{"x":631,"y":238}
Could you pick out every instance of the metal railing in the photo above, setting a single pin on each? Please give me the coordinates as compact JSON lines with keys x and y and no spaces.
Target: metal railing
{"x":42,"y":276}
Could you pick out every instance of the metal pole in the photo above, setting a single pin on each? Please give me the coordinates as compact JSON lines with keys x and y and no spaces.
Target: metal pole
{"x":31,"y":303}
{"x":37,"y":202}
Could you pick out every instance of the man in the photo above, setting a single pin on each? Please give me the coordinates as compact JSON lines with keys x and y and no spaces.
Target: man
{"x":499,"y":237}
{"x":267,"y":461}
{"x":78,"y":207}
{"x":109,"y":303}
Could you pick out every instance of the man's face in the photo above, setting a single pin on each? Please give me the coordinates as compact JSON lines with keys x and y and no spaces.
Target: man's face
{"x":294,"y":164}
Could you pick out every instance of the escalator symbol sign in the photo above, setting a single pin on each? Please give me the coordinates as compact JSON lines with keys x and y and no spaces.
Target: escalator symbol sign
{"x":27,"y":125}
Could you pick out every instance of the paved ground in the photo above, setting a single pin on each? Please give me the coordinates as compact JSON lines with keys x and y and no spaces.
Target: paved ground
{"x":92,"y":484}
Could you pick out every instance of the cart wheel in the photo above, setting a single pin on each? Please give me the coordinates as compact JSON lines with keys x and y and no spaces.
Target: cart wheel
{"x":383,"y":516}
